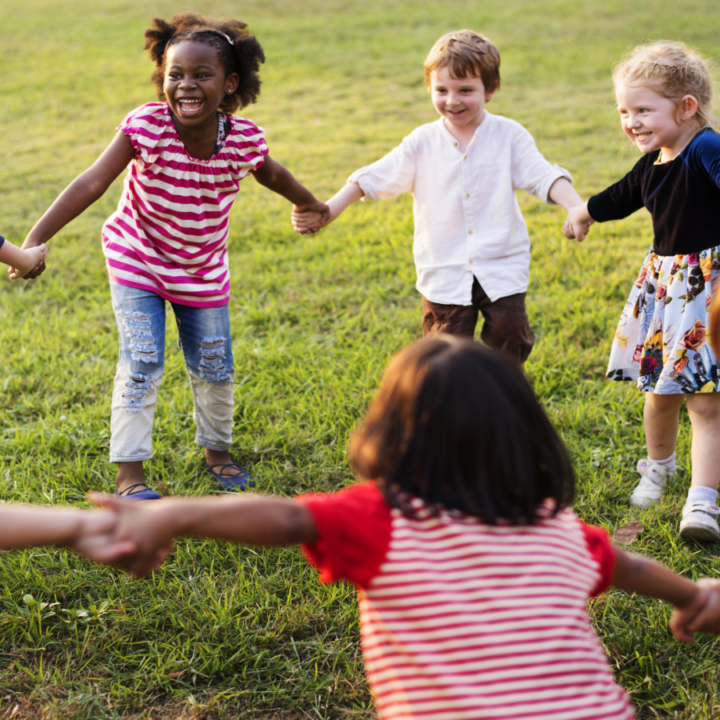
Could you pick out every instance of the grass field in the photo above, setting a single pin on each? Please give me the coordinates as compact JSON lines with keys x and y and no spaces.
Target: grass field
{"x":224,"y":631}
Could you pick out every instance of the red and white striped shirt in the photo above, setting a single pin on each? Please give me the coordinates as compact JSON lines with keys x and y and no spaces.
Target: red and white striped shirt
{"x":170,"y":231}
{"x":461,"y":620}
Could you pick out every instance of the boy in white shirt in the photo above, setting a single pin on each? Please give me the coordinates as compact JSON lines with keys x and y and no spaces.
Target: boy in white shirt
{"x":471,"y":247}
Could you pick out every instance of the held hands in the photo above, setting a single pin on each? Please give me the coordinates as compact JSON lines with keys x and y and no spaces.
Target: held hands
{"x":308,"y":219}
{"x":702,"y":615}
{"x":95,"y":538}
{"x":29,"y":263}
{"x":142,"y":526}
{"x":577,"y":223}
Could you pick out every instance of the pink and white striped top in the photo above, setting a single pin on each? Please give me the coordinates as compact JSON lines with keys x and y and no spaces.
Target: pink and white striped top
{"x":170,"y":231}
{"x":462,"y":620}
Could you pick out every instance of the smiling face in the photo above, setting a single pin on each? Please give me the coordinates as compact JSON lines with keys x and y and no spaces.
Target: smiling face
{"x":460,"y":101}
{"x":195,"y":82}
{"x":654,"y":122}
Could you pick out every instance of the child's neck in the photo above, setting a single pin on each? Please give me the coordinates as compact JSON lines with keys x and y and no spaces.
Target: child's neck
{"x":199,"y":141}
{"x":687,"y":132}
{"x":464,"y":134}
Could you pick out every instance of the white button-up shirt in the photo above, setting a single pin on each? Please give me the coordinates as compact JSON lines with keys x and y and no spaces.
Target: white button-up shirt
{"x":467,"y":219}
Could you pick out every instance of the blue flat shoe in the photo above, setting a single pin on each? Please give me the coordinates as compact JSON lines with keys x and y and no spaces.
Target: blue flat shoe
{"x":231,"y":483}
{"x":131,"y":494}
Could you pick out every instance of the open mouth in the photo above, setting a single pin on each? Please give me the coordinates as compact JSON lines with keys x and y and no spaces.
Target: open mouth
{"x":642,"y":137}
{"x":189,"y":106}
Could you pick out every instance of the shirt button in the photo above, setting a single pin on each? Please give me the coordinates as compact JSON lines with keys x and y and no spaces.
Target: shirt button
{"x":454,"y":144}
{"x":465,"y":158}
{"x":466,"y":196}
{"x":469,"y":232}
{"x":470,"y":262}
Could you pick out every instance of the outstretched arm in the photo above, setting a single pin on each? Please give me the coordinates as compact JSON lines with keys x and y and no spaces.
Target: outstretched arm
{"x":307,"y":222}
{"x":87,"y":532}
{"x":22,"y":260}
{"x":249,"y":519}
{"x":279,"y":179}
{"x":82,"y":192}
{"x":697,"y":605}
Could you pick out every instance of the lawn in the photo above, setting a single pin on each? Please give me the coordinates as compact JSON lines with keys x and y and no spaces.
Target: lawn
{"x":225,"y":631}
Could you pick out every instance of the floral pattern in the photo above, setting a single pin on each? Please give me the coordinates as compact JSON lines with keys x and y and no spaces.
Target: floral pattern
{"x":662,"y":341}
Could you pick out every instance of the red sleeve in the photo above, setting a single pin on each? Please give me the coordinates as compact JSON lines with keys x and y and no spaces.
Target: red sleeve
{"x":354,"y":529}
{"x":601,"y":549}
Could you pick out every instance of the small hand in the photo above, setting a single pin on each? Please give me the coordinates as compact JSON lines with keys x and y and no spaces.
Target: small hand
{"x":310,"y":218}
{"x":703,"y":616}
{"x":150,"y":540}
{"x":96,"y":538}
{"x":577,"y":223}
{"x":34,"y":264}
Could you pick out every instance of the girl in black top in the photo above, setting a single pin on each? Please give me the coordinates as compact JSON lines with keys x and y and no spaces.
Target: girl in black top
{"x":664,"y":98}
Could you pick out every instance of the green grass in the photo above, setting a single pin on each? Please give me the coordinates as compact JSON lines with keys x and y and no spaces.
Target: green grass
{"x":234,"y":632}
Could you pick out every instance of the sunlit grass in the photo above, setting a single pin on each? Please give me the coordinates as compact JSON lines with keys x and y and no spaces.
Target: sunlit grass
{"x":235,"y":631}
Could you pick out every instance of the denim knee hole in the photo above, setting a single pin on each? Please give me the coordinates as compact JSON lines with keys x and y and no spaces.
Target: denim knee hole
{"x":136,"y":388}
{"x":212,"y":363}
{"x":140,"y":339}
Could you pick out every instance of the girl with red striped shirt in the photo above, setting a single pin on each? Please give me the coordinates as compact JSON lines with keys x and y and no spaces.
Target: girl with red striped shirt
{"x":473,"y":573}
{"x":167,"y":241}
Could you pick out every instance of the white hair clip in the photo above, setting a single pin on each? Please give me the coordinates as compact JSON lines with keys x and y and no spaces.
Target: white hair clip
{"x":226,"y":37}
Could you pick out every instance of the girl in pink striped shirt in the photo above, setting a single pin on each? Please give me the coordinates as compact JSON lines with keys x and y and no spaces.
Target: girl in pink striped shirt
{"x":472,"y":572}
{"x":167,"y":241}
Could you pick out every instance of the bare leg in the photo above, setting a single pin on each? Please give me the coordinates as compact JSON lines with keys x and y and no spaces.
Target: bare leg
{"x":217,"y":458}
{"x":662,"y":418}
{"x":129,"y":473}
{"x":704,"y":411}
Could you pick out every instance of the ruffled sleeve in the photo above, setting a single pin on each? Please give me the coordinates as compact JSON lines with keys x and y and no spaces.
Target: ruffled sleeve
{"x":146,"y":128}
{"x":246,"y":145}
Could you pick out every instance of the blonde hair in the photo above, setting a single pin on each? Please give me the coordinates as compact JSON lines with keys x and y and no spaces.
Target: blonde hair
{"x":467,"y":53}
{"x":671,"y":69}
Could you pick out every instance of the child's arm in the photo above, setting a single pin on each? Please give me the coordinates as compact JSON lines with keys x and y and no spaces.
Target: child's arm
{"x":578,"y":222}
{"x":279,"y":179}
{"x":23,"y":261}
{"x":697,"y":605}
{"x":82,"y":192}
{"x":308,"y":222}
{"x":87,"y":532}
{"x":249,"y":519}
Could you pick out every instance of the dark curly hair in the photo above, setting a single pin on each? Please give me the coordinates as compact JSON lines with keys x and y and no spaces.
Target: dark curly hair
{"x":242,"y":57}
{"x":458,"y":426}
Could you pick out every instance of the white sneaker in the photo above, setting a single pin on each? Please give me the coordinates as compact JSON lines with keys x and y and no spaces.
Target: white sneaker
{"x":700,"y":521}
{"x":652,"y":483}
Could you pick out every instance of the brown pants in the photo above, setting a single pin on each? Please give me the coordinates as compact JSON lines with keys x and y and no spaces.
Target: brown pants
{"x":506,"y":327}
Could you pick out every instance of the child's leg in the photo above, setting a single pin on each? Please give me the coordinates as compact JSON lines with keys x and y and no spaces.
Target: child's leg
{"x":661,"y":418}
{"x":700,"y":512}
{"x":459,"y":320}
{"x":506,"y":328}
{"x":704,"y":411}
{"x":140,"y":316}
{"x":205,"y":339}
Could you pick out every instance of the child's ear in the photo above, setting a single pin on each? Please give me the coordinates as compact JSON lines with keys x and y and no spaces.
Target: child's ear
{"x":489,"y":93}
{"x":687,"y":107}
{"x":231,"y":83}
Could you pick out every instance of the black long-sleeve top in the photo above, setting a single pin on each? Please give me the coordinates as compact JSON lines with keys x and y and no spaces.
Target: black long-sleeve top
{"x":683,"y":196}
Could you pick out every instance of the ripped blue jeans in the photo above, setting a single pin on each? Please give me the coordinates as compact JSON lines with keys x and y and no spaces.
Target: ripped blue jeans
{"x":204,"y":336}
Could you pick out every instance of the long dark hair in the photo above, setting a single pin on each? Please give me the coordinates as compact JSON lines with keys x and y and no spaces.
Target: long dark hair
{"x":458,"y":426}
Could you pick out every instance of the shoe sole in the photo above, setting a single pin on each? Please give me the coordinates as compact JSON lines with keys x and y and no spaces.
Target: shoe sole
{"x":700,"y":532}
{"x":643,"y":502}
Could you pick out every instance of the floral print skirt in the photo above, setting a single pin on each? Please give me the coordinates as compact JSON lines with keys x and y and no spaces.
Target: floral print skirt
{"x":662,"y":341}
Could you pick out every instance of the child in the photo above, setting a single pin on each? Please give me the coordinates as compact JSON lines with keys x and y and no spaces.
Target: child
{"x":472,"y":572}
{"x":168,"y":238}
{"x":88,"y":533}
{"x":664,"y":95}
{"x":21,"y":261}
{"x":472,"y":250}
